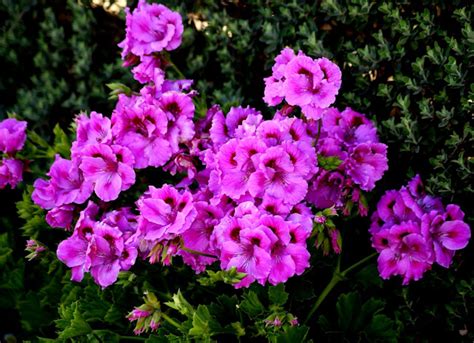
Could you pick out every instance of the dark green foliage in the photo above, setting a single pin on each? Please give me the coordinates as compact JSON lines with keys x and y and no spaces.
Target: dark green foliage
{"x":406,"y":64}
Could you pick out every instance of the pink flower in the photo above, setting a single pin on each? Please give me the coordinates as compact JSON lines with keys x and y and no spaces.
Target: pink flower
{"x":276,"y":177}
{"x":250,"y":255}
{"x":139,"y":124}
{"x":367,"y":163}
{"x":165,"y":213}
{"x":93,"y":130}
{"x":151,"y":28}
{"x":110,"y":168}
{"x":61,"y":216}
{"x":12,"y":135}
{"x":11,"y":172}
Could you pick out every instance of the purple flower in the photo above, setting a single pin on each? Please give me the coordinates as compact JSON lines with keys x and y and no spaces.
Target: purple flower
{"x":150,"y":70}
{"x":139,"y":124}
{"x":93,"y":130}
{"x":151,"y":28}
{"x":66,"y":186}
{"x":307,"y":84}
{"x":74,"y":252}
{"x":326,"y":190}
{"x":12,"y":135}
{"x":412,"y":230}
{"x":249,"y":255}
{"x":60,"y":216}
{"x":110,"y":168}
{"x":109,"y":255}
{"x":11,"y":172}
{"x":367,"y":163}
{"x":198,"y":236}
{"x":276,"y":177}
{"x":165,"y":213}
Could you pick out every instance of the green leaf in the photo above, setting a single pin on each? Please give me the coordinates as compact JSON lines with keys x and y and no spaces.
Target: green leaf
{"x":251,"y":304}
{"x":277,"y":295}
{"x":329,"y":163}
{"x":71,"y":324}
{"x":204,"y":325}
{"x":381,"y":328}
{"x":348,"y":307}
{"x":180,"y":304}
{"x":293,"y":334}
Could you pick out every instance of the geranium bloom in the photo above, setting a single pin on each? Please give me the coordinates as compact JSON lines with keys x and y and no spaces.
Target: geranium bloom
{"x":165,"y":213}
{"x":66,"y":186}
{"x":60,"y":216}
{"x":151,"y":28}
{"x":109,"y":168}
{"x":139,"y":124}
{"x":12,"y":135}
{"x":410,"y":237}
{"x":11,"y":172}
{"x":276,"y":176}
{"x":92,"y":130}
{"x":250,"y":254}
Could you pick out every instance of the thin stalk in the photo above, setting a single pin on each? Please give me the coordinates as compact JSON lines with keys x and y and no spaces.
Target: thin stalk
{"x":132,"y":338}
{"x":357,"y":264}
{"x":171,"y":320}
{"x":176,"y":69}
{"x":195,"y":252}
{"x":336,"y":277}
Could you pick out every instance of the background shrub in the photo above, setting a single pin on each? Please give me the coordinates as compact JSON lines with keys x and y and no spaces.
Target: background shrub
{"x":407,"y":65}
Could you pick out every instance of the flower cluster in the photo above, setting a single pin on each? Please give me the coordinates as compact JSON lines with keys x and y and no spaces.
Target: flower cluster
{"x":311,"y":84}
{"x":12,"y":139}
{"x":145,"y":130}
{"x":412,"y":230}
{"x":102,"y":245}
{"x":248,"y":184}
{"x":351,"y":159}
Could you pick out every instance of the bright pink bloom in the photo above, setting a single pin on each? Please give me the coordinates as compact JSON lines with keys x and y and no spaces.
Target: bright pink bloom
{"x":151,"y":28}
{"x":11,"y":172}
{"x":12,"y":135}
{"x":110,"y":168}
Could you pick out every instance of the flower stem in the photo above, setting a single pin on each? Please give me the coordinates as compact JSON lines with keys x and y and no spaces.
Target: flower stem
{"x":357,"y":264}
{"x":132,"y":338}
{"x":171,"y":320}
{"x":336,"y":277}
{"x":195,"y":252}
{"x":176,"y":69}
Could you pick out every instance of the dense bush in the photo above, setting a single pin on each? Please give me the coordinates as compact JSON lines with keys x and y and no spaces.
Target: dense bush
{"x":407,"y":65}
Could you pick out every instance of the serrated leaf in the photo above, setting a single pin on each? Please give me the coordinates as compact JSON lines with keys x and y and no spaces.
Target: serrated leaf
{"x":72,"y":324}
{"x":180,"y":304}
{"x":251,"y":304}
{"x":348,"y":308}
{"x":277,"y":295}
{"x":293,"y":334}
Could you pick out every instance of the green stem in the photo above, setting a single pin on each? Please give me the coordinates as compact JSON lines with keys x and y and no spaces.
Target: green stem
{"x":132,"y":338}
{"x":195,"y":252}
{"x":176,"y":69}
{"x":171,"y":320}
{"x":336,"y":277}
{"x":357,"y":264}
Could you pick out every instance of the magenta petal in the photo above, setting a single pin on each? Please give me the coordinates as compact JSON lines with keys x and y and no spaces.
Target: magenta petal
{"x":72,"y":251}
{"x":106,"y":274}
{"x":108,"y":187}
{"x":454,"y":234}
